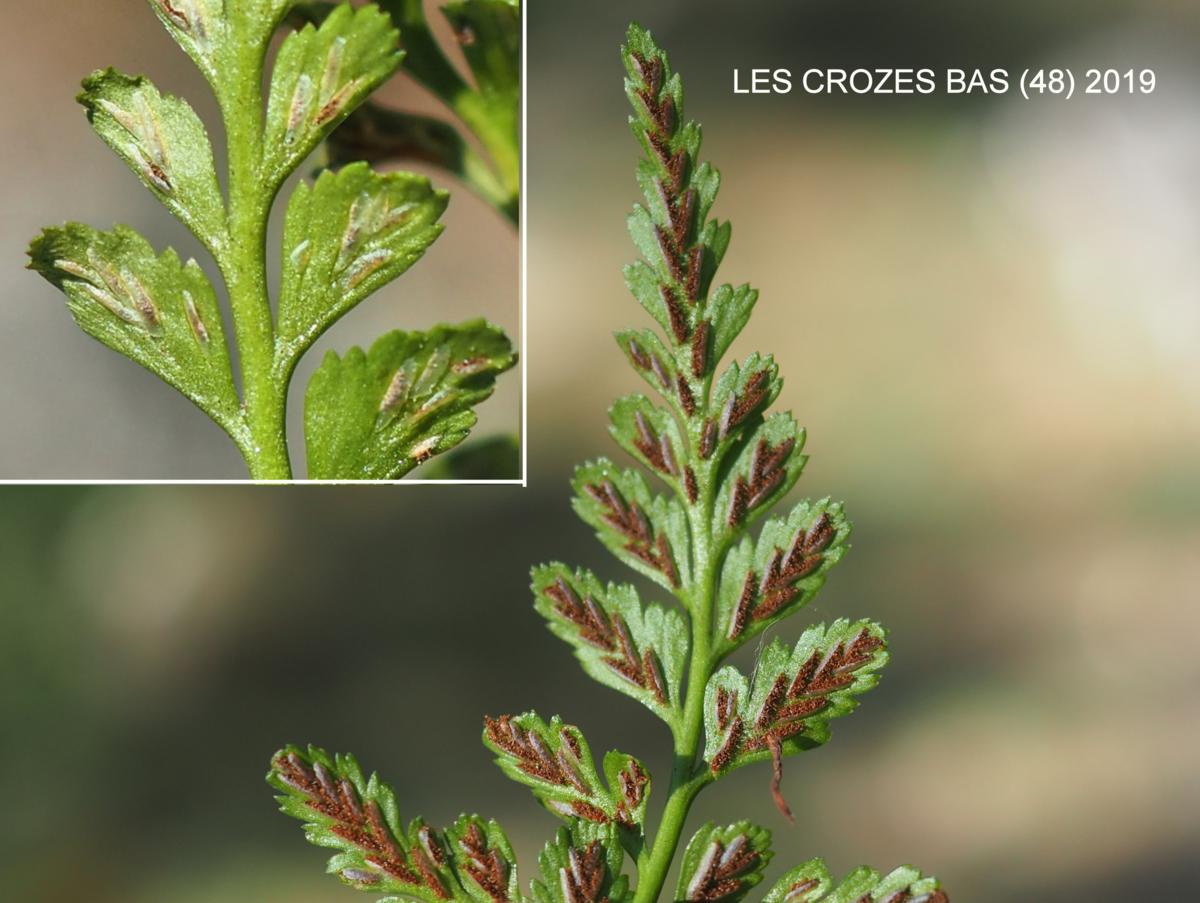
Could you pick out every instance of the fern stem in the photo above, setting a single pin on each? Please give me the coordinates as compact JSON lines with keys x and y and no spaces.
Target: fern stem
{"x":264,"y":398}
{"x":688,"y":775}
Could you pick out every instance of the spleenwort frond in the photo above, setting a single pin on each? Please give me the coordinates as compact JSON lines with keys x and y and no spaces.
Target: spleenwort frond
{"x":488,"y":33}
{"x":345,"y":237}
{"x":639,"y":650}
{"x":811,"y":883}
{"x":555,"y":761}
{"x":718,"y":460}
{"x":723,"y":863}
{"x":359,"y":817}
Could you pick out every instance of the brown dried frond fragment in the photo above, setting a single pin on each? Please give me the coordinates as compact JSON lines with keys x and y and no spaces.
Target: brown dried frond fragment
{"x":719,"y":874}
{"x":486,"y":867}
{"x":361,"y":825}
{"x":630,"y":521}
{"x":776,"y":748}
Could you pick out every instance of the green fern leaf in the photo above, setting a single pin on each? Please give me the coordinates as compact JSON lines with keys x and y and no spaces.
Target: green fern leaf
{"x":723,"y":863}
{"x":321,"y":76}
{"x":554,"y":760}
{"x":647,"y":532}
{"x":157,"y":311}
{"x":165,"y":144}
{"x":347,"y":236}
{"x":639,"y":651}
{"x":793,"y":696}
{"x":378,"y":414}
{"x":811,"y":883}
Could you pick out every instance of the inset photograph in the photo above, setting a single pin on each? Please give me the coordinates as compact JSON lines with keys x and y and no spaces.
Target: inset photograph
{"x":305,"y":222}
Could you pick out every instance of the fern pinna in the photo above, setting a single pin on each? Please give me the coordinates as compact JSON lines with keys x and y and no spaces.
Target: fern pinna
{"x":726,"y":461}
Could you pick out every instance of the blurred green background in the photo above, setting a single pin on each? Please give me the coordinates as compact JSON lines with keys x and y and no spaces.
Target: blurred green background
{"x":988,"y":316}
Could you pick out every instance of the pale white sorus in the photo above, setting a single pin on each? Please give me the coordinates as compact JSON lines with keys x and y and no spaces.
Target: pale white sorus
{"x":733,"y":849}
{"x":107,"y":274}
{"x":300,"y":256}
{"x":696,"y":885}
{"x":397,"y":216}
{"x":427,"y":843}
{"x":568,"y":891}
{"x":434,"y":370}
{"x":73,"y":269}
{"x":151,"y":171}
{"x":302,"y":99}
{"x":434,"y":401}
{"x":151,"y":135}
{"x":332,"y":74}
{"x":366,"y":266}
{"x":198,"y":328}
{"x":397,"y":392}
{"x":358,"y":217}
{"x":332,"y":107}
{"x":141,"y":299}
{"x":110,"y":303}
{"x":121,"y":116}
{"x":360,"y":876}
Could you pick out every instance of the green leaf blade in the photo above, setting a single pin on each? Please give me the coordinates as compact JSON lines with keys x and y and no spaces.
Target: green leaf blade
{"x":489,"y":32}
{"x":652,"y":436}
{"x":553,"y":759}
{"x":794,"y":695}
{"x":639,"y":651}
{"x":649,"y":533}
{"x":358,"y":816}
{"x":581,"y":865}
{"x":723,"y":863}
{"x":811,"y":882}
{"x":483,"y":860}
{"x":378,"y":414}
{"x":201,"y":28}
{"x":165,"y":144}
{"x":322,"y":74}
{"x":764,"y":470}
{"x":768,"y":579}
{"x":345,"y":237}
{"x":157,"y":311}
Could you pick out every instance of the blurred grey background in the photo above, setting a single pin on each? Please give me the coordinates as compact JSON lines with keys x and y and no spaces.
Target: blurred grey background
{"x":73,"y":409}
{"x":986,"y":314}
